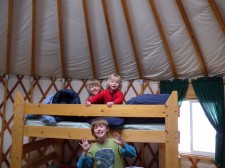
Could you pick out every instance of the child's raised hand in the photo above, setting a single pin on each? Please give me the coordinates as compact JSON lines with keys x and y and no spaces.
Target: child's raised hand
{"x":119,"y":140}
{"x":85,"y":145}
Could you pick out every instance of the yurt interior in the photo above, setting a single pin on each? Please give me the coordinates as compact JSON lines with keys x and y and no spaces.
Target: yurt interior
{"x":166,"y":56}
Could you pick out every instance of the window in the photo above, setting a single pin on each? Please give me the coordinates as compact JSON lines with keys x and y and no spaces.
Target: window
{"x":197,"y":135}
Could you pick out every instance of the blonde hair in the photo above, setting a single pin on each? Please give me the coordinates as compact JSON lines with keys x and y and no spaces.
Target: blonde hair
{"x":97,"y":122}
{"x":116,"y":78}
{"x":93,"y":82}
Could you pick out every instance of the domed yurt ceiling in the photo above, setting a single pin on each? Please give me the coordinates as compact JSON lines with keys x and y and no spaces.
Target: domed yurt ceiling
{"x":138,"y":39}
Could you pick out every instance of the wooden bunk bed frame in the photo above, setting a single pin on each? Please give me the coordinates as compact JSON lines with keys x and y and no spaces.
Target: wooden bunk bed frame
{"x":167,"y":139}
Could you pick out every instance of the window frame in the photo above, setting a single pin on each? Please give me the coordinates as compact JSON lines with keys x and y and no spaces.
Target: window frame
{"x":191,"y":127}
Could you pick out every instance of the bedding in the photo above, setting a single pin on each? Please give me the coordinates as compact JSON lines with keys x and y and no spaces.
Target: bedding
{"x":63,"y":96}
{"x":147,"y":99}
{"x":69,"y":124}
{"x":68,"y":96}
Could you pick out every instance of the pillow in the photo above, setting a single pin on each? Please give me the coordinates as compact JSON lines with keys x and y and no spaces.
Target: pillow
{"x":147,"y":99}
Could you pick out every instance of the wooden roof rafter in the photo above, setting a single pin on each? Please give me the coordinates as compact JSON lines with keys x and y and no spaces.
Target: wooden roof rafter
{"x":8,"y":64}
{"x":192,"y":37}
{"x":217,"y":15}
{"x":61,"y":39}
{"x":9,"y":36}
{"x":6,"y":93}
{"x":129,"y":25}
{"x":89,"y":37}
{"x":33,"y":44}
{"x":110,"y":35}
{"x":33,"y":38}
{"x":164,"y":40}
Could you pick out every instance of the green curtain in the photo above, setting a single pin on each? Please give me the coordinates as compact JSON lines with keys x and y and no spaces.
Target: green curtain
{"x":210,"y":93}
{"x":180,"y":85}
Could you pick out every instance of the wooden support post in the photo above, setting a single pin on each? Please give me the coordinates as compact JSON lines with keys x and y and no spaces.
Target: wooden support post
{"x":171,"y":125}
{"x":17,"y":133}
{"x":161,"y":155}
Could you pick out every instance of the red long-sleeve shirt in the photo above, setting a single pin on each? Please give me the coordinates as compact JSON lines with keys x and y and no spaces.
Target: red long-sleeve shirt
{"x":106,"y":96}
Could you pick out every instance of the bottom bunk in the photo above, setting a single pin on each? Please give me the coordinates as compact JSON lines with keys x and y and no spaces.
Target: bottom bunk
{"x":43,"y":152}
{"x":166,"y":137}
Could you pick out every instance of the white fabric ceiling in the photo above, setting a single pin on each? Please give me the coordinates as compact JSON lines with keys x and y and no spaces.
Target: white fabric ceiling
{"x":144,"y":45}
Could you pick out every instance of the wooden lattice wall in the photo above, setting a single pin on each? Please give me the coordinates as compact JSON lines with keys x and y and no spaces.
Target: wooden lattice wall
{"x":36,"y":89}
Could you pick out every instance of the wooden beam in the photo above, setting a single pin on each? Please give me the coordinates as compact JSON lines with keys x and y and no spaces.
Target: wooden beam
{"x":33,"y":44}
{"x":35,"y":145}
{"x":157,"y":136}
{"x":9,"y":35}
{"x":61,"y":39}
{"x":110,"y":35}
{"x":17,"y":133}
{"x":192,"y":37}
{"x":89,"y":38}
{"x":8,"y":55}
{"x":171,"y":126}
{"x":40,"y":161}
{"x":95,"y":110}
{"x":130,"y":29}
{"x":164,"y":40}
{"x":217,"y":15}
{"x":162,"y":155}
{"x":33,"y":37}
{"x":195,"y":159}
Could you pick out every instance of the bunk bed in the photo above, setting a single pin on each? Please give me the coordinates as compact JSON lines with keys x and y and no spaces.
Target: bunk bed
{"x":167,"y":138}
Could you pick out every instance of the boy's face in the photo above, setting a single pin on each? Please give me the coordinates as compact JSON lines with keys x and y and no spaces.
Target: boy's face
{"x":100,"y":131}
{"x":114,"y":85}
{"x":95,"y":89}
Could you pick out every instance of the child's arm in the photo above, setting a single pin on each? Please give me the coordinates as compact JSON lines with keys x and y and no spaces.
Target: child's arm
{"x":119,"y":140}
{"x":85,"y":145}
{"x":118,"y":97}
{"x":85,"y":161}
{"x":127,"y":150}
{"x":96,"y":99}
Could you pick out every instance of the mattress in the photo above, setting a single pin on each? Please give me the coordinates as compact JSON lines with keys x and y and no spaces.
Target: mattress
{"x":69,"y":124}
